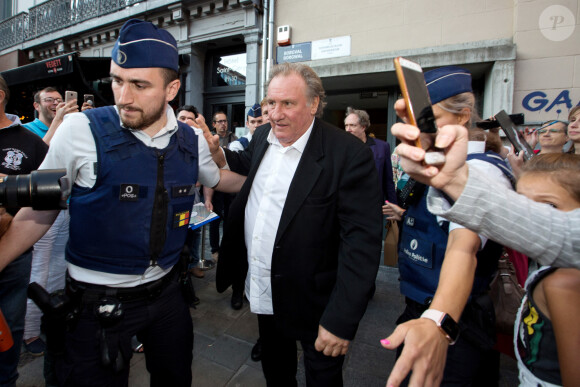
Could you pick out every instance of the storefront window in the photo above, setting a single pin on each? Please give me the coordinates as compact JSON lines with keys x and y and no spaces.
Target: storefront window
{"x":229,"y":70}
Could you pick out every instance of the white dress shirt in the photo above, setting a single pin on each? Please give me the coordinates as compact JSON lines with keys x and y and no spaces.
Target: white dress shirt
{"x":262,"y":216}
{"x":73,"y":147}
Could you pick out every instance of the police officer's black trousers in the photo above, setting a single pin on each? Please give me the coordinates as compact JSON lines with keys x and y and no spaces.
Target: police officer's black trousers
{"x":162,"y":324}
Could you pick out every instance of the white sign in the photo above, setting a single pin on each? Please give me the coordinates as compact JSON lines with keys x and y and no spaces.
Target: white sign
{"x":331,"y":48}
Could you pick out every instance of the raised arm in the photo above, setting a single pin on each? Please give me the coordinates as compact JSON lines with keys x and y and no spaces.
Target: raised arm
{"x":488,"y":207}
{"x":62,"y":109}
{"x":425,"y":349}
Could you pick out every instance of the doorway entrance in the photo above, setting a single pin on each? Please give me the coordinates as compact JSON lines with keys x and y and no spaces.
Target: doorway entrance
{"x":225,"y":88}
{"x":233,"y":106}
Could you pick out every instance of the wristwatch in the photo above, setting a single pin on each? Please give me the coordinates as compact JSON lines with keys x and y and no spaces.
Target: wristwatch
{"x":445,"y":322}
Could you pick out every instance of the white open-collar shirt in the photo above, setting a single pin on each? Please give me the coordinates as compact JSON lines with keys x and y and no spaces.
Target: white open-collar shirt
{"x":262,"y":216}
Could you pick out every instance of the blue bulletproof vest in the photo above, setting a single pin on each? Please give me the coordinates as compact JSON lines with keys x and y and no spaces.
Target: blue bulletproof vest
{"x":497,"y":161}
{"x":137,"y":213}
{"x":244,"y":141}
{"x":422,"y":247}
{"x":423,"y":242}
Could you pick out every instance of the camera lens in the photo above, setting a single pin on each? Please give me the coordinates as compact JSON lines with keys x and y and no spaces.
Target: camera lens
{"x":41,"y":190}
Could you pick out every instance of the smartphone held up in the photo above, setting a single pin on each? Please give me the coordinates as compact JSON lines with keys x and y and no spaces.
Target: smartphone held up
{"x":70,"y":95}
{"x":89,"y":99}
{"x":419,"y":111}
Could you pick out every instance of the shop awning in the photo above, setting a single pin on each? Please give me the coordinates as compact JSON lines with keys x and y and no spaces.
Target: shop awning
{"x":87,"y":68}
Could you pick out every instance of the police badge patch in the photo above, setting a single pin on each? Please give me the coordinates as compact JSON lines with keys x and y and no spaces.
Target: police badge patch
{"x":129,"y":193}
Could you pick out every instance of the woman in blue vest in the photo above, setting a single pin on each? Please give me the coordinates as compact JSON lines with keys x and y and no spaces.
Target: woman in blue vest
{"x":445,"y":269}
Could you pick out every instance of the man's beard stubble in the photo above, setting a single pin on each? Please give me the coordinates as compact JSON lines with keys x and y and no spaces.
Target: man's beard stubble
{"x":146,"y":120}
{"x":47,"y":114}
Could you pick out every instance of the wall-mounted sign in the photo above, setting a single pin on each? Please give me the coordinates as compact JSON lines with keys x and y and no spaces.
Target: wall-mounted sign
{"x":294,"y":53}
{"x":331,"y":48}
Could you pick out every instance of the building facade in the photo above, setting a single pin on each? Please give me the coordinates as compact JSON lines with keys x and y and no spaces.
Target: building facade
{"x":524,"y":54}
{"x":218,"y":43}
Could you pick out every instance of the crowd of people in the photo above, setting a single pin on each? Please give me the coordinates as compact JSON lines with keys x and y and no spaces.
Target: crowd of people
{"x":304,"y":206}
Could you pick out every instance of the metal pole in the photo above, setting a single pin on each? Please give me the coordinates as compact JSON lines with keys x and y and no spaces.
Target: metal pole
{"x":270,"y":35}
{"x":265,"y":40}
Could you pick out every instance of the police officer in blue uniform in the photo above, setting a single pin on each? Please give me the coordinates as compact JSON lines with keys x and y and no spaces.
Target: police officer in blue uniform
{"x":133,"y":168}
{"x":426,"y":241}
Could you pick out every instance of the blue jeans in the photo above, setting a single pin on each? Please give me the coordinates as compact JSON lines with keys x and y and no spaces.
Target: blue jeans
{"x":14,"y":281}
{"x":195,"y":246}
{"x":193,"y":241}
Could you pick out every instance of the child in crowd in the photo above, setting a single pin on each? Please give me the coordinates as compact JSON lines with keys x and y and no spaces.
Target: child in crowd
{"x":546,"y":337}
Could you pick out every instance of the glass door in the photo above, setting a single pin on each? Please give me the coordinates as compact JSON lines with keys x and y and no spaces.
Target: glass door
{"x":233,"y":106}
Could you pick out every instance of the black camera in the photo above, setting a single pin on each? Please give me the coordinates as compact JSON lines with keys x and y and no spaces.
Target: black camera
{"x":42,"y":190}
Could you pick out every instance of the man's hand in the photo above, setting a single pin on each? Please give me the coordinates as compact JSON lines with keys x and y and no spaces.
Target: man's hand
{"x":516,"y":161}
{"x":65,"y":108}
{"x":213,"y":141}
{"x":450,"y":176}
{"x":531,"y":136}
{"x":330,"y":344}
{"x":424,"y":353}
{"x":86,"y":106}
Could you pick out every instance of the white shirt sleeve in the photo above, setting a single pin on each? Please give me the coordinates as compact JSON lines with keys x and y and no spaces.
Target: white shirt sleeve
{"x":209,"y":173}
{"x":493,"y":173}
{"x":73,"y":147}
{"x":543,"y":233}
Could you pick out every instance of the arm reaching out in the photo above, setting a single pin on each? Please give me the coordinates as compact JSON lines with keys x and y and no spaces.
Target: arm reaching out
{"x":27,"y":227}
{"x":213,"y":141}
{"x":62,"y":109}
{"x":208,"y":197}
{"x":426,"y":347}
{"x":393,"y":211}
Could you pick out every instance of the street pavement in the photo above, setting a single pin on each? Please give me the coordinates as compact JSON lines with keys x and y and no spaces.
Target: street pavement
{"x":224,"y":339}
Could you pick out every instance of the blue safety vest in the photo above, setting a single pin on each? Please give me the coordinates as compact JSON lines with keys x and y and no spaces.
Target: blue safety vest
{"x":423,"y":242}
{"x":244,"y":141}
{"x":137,"y":213}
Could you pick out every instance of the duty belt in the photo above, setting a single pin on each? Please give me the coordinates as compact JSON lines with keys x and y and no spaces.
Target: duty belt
{"x":90,"y":293}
